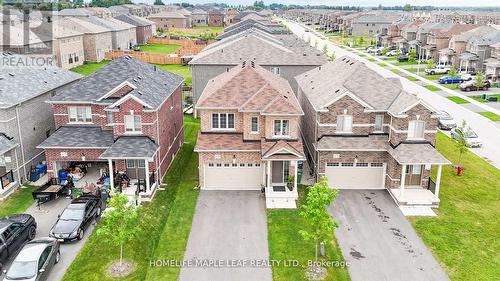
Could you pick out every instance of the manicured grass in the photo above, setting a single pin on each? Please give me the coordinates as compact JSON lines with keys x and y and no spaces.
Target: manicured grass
{"x":382,"y":64}
{"x":164,"y":223}
{"x":89,"y":68}
{"x":411,"y":78}
{"x":209,"y":28}
{"x":182,"y":70}
{"x":457,"y":100}
{"x":432,"y":77}
{"x":371,"y":59}
{"x":387,"y":58}
{"x":361,"y":55}
{"x":490,"y":115}
{"x":451,"y":86}
{"x":206,"y":32}
{"x":414,"y":70}
{"x":397,"y":71}
{"x":464,"y":235}
{"x":400,"y":63}
{"x":285,"y":243}
{"x":432,"y":88}
{"x":478,"y":99}
{"x":159,"y":48}
{"x":17,"y":202}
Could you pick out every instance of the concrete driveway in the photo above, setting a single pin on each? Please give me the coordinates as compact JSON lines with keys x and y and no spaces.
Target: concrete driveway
{"x":378,"y":241}
{"x":45,"y":218}
{"x":229,"y":227}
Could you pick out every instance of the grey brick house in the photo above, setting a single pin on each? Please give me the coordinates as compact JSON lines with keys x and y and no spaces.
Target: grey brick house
{"x":363,"y":131}
{"x":25,"y":118}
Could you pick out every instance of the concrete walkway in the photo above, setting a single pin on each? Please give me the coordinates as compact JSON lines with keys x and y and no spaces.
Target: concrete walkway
{"x":231,"y":227}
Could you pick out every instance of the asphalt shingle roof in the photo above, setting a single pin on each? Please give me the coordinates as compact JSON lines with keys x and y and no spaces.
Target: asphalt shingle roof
{"x":131,"y":147}
{"x":417,"y":153}
{"x":6,"y":144}
{"x":133,"y":20}
{"x":152,"y":84}
{"x":78,"y":137}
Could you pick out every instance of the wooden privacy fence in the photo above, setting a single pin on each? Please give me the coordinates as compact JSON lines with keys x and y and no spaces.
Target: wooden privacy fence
{"x":145,"y":57}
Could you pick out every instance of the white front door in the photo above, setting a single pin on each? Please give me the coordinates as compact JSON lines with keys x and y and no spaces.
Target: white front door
{"x":355,"y":175}
{"x":231,"y":176}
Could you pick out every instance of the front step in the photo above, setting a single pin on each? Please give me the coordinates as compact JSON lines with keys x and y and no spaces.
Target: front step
{"x":417,"y":211}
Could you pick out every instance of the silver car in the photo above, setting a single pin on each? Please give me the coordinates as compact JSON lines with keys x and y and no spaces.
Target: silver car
{"x":34,"y":261}
{"x":470,"y":136}
{"x":445,"y":121}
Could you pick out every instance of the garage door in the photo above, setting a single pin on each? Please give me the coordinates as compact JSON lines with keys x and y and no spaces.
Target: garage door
{"x":356,"y":175}
{"x":233,"y":176}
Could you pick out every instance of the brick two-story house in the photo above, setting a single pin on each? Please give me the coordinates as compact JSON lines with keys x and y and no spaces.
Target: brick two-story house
{"x":249,"y":136}
{"x":363,"y":131}
{"x":126,"y":117}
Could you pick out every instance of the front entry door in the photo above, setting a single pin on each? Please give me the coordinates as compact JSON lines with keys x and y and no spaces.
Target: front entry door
{"x":136,"y":169}
{"x":413,"y":175}
{"x":277,"y":174}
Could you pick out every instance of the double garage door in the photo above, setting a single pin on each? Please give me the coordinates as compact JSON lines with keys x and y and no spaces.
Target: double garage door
{"x":233,"y":176}
{"x":356,"y":175}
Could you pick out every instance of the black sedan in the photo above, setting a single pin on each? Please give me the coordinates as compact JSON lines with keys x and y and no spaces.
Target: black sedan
{"x":15,"y":231}
{"x":77,"y":216}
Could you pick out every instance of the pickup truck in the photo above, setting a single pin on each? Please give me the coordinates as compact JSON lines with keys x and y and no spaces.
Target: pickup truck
{"x":438,"y":69}
{"x":15,"y":231}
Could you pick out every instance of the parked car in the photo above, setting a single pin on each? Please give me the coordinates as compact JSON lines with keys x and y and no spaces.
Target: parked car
{"x":471,"y":86}
{"x":35,"y":260}
{"x":403,"y":58}
{"x":446,"y":121}
{"x":75,"y":219}
{"x":468,"y":76}
{"x":15,"y":231}
{"x":438,"y":69}
{"x":450,"y":80}
{"x":472,"y":139}
{"x":392,"y":53}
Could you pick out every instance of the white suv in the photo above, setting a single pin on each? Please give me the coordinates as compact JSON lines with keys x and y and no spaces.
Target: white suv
{"x":438,"y":69}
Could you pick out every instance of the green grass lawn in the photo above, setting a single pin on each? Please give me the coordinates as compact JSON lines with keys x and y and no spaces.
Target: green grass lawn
{"x":371,"y":59}
{"x":490,"y":115}
{"x":209,"y":28}
{"x":397,"y":71}
{"x":164,"y":224}
{"x":432,"y":88}
{"x":17,"y":202}
{"x":464,"y":235}
{"x":159,"y":48}
{"x":382,"y":64}
{"x":361,"y":55}
{"x":451,"y":86}
{"x":89,"y":68}
{"x":432,"y":77}
{"x":182,"y":70}
{"x":411,"y":78}
{"x":414,"y":70}
{"x":457,"y":100}
{"x":285,"y":243}
{"x":400,"y":63}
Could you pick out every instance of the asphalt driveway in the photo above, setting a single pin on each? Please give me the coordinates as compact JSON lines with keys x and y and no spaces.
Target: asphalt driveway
{"x":229,"y":229}
{"x":378,"y":241}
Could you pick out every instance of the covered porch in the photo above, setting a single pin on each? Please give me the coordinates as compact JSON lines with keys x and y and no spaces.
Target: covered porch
{"x":468,"y":62}
{"x":416,"y":188}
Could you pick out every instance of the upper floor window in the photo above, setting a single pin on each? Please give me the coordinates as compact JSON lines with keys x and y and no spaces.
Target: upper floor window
{"x":222,"y":120}
{"x":2,"y":160}
{"x":133,"y":123}
{"x":416,"y":129}
{"x":109,"y":117}
{"x":80,"y":114}
{"x":281,"y":128}
{"x":344,"y":124}
{"x":379,"y":122}
{"x":275,"y":70}
{"x":254,"y":124}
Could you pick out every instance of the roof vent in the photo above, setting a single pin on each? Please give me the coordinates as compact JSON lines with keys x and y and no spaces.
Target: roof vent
{"x":351,"y":63}
{"x":319,"y":67}
{"x":304,"y":54}
{"x":135,"y":80}
{"x":139,"y":92}
{"x":222,"y":50}
{"x":12,"y":74}
{"x":140,"y":77}
{"x":343,"y":59}
{"x":336,"y":91}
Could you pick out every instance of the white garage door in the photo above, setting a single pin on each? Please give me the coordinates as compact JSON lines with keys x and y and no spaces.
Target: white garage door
{"x":233,"y":176}
{"x":356,"y":176}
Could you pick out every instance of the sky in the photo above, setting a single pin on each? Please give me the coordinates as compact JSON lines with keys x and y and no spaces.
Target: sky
{"x":437,"y":3}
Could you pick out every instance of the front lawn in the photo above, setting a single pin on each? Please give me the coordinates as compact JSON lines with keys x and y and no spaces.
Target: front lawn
{"x":371,"y":59}
{"x":490,"y":115}
{"x":432,"y":88}
{"x":382,"y":64}
{"x":464,"y":235}
{"x":451,"y":86}
{"x":89,"y":68}
{"x":434,"y":77}
{"x":285,"y":243}
{"x":397,"y":71}
{"x":159,"y":48}
{"x":457,"y":100}
{"x":400,"y":63}
{"x":17,"y":202}
{"x":169,"y":213}
{"x":411,"y":78}
{"x":182,"y":70}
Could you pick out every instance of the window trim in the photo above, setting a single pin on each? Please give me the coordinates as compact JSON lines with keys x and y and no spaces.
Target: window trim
{"x":375,"y":129}
{"x":343,"y":116}
{"x":86,"y":116}
{"x":134,"y":129}
{"x":251,"y":125}
{"x":413,"y":129}
{"x":226,"y":114}
{"x":281,"y":135}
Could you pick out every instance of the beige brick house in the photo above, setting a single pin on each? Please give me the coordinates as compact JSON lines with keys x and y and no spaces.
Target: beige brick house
{"x":249,"y":137}
{"x":363,"y":131}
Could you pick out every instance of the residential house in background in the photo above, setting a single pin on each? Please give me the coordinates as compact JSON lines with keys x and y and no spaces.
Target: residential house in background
{"x":371,"y":24}
{"x":477,"y":50}
{"x":365,"y":137}
{"x":492,"y":64}
{"x":126,"y":117}
{"x":229,"y":16}
{"x":249,"y":136}
{"x":264,"y":26}
{"x":199,"y":17}
{"x":118,"y":10}
{"x":423,"y":31}
{"x":144,"y":28}
{"x":168,"y":20}
{"x":439,"y":39}
{"x":25,"y":118}
{"x":408,"y":34}
{"x":215,"y":17}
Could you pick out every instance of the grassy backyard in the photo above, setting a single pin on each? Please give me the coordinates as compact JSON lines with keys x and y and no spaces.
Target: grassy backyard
{"x":164,"y":224}
{"x":89,"y":68}
{"x":159,"y":48}
{"x":17,"y":202}
{"x":207,"y":32}
{"x":490,"y":115}
{"x":285,"y":243}
{"x":464,"y":235}
{"x":182,"y":70}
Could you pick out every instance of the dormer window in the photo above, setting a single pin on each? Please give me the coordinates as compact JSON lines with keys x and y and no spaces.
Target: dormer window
{"x":344,"y":124}
{"x":416,"y":129}
{"x":80,"y":114}
{"x":133,"y":124}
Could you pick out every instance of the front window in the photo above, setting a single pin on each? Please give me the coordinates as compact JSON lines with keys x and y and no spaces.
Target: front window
{"x":344,"y":124}
{"x":254,"y":124}
{"x":80,"y":114}
{"x":281,"y":128}
{"x":2,"y":160}
{"x":109,"y":117}
{"x":416,"y":129}
{"x":132,"y":123}
{"x":379,"y":119}
{"x":223,"y":121}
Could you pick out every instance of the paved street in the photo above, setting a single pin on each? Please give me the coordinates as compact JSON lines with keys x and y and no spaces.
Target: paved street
{"x":230,"y":226}
{"x":378,"y":241}
{"x":488,"y":131}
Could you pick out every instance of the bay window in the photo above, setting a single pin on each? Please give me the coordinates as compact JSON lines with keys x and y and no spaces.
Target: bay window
{"x":132,"y":124}
{"x":416,"y":129}
{"x":222,"y":120}
{"x":344,"y":124}
{"x":281,"y":128}
{"x":80,"y":114}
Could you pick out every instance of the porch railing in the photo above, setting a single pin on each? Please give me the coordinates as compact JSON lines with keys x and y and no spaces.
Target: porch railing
{"x":431,"y":185}
{"x":6,"y":179}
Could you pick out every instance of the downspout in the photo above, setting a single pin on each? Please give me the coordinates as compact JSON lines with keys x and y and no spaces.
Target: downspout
{"x":20,"y":143}
{"x":17,"y":162}
{"x":159,"y":152}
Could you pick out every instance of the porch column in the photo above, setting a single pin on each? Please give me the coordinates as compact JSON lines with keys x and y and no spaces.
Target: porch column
{"x":111,"y":175}
{"x":438,"y":181}
{"x":146,"y":166}
{"x":268,"y":174}
{"x":296,"y":164}
{"x":402,"y":183}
